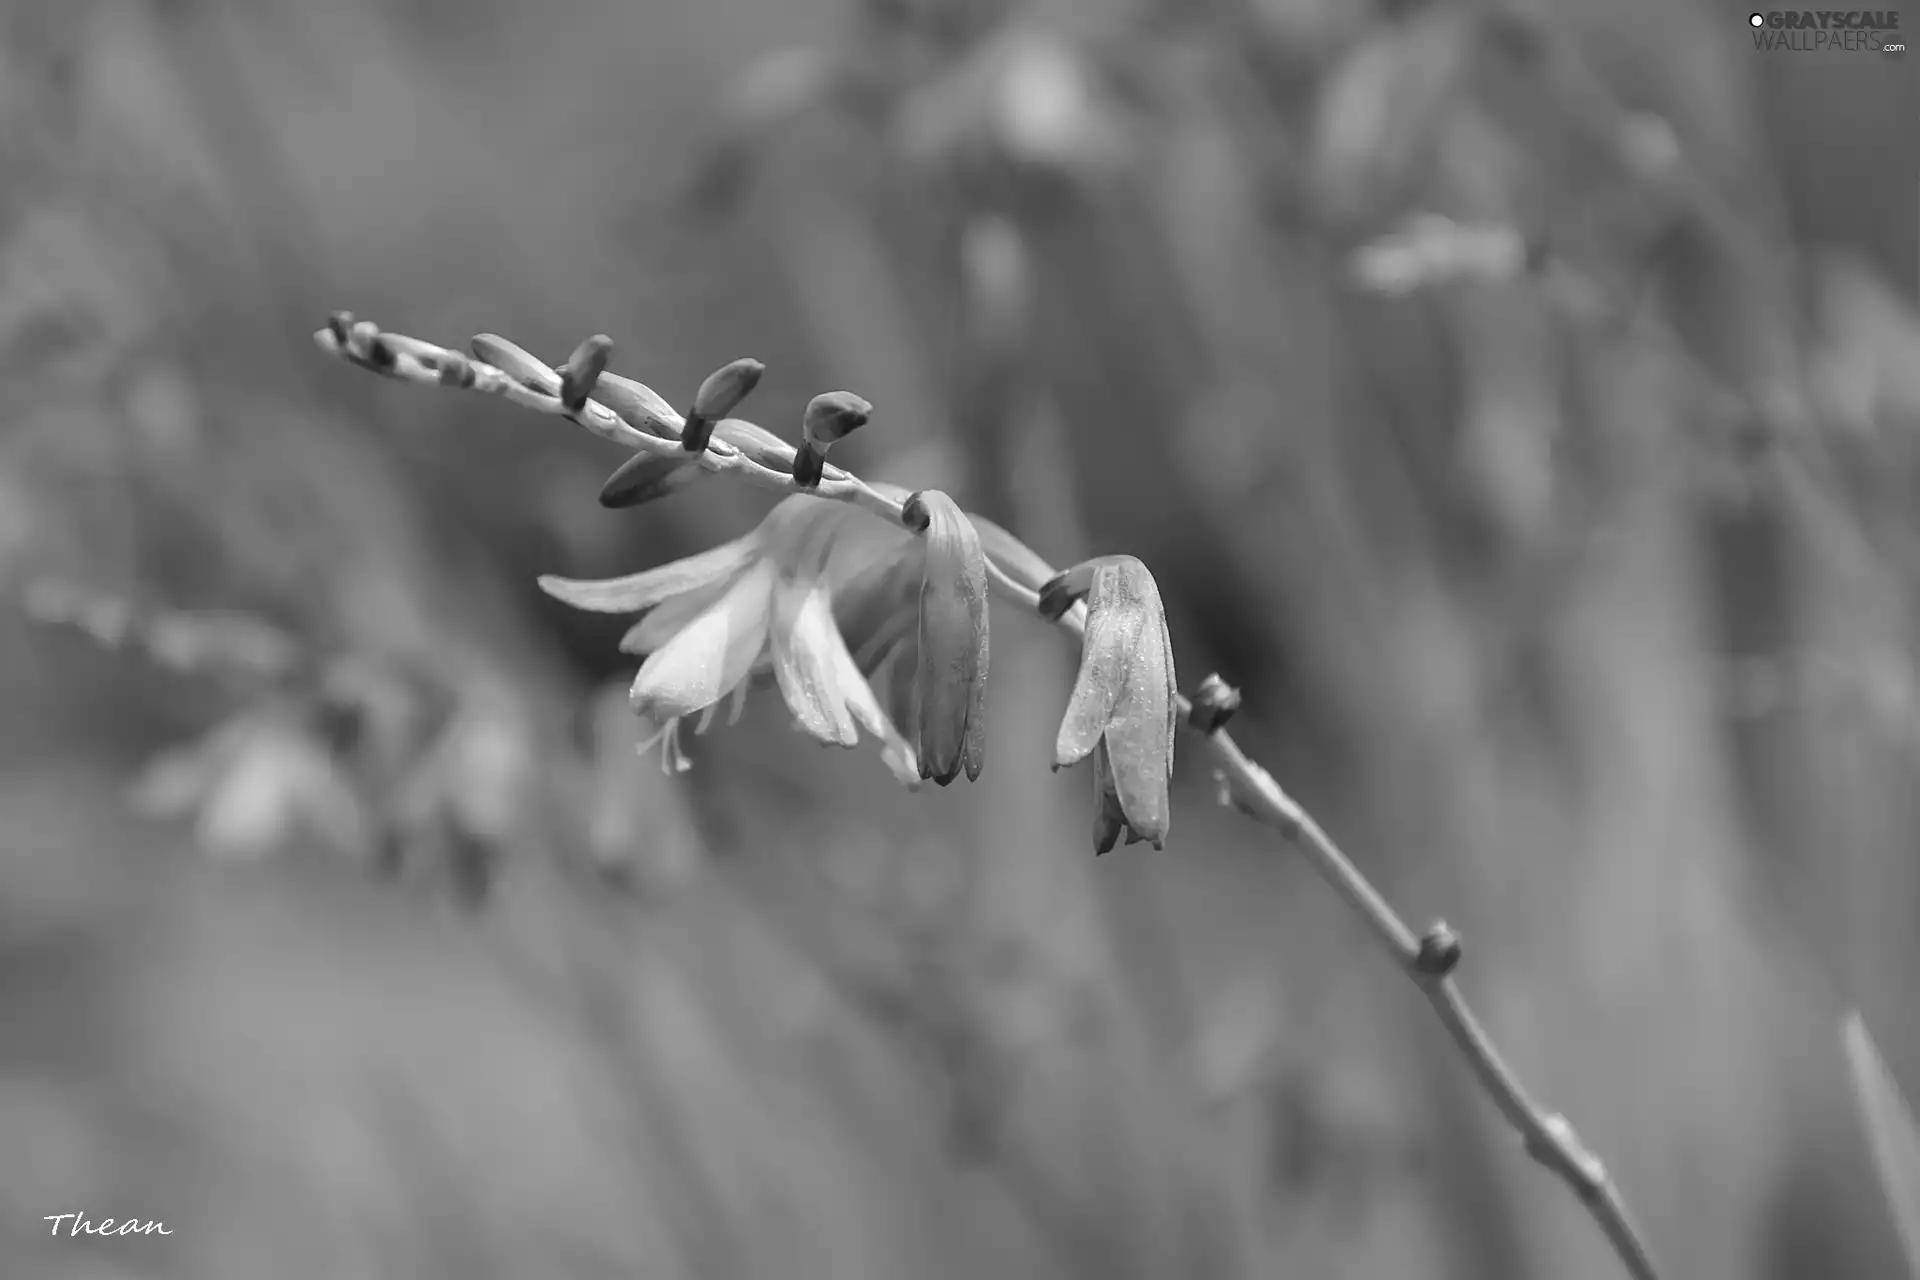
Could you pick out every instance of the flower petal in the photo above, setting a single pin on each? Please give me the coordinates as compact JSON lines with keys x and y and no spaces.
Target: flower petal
{"x":711,"y":654}
{"x":806,"y":645}
{"x":665,"y":622}
{"x":1138,"y":766}
{"x":1108,"y":819}
{"x":866,"y":703}
{"x":954,"y":647}
{"x":638,"y":592}
{"x":1115,"y":626}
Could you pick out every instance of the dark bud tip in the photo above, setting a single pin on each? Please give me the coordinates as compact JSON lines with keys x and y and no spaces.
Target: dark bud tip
{"x":914,"y":514}
{"x":582,"y":371}
{"x":361,"y":335}
{"x":694,"y":436}
{"x":1056,"y":597}
{"x":725,"y":388}
{"x":833,"y":416}
{"x":808,"y":464}
{"x":1214,"y":703}
{"x":455,"y":370}
{"x":1439,"y":953}
{"x":340,"y":323}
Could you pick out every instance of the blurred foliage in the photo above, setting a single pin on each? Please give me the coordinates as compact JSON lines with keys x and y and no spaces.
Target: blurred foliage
{"x":1519,"y":404}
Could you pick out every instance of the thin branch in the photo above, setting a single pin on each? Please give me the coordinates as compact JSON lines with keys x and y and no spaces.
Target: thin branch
{"x":1428,"y":958}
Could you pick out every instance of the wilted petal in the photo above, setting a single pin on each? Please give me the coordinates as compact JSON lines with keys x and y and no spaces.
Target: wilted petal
{"x":711,"y":654}
{"x":954,"y":650}
{"x":638,"y":592}
{"x":1124,"y":702}
{"x":1115,"y":628}
{"x":1138,"y":768}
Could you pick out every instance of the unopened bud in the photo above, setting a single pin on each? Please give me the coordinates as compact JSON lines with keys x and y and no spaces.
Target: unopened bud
{"x":340,"y":323}
{"x":638,"y":405}
{"x":647,"y":476}
{"x":1214,"y":703}
{"x":516,"y":362}
{"x":1439,"y":953}
{"x":717,"y":397}
{"x":455,"y":369}
{"x":582,"y":371}
{"x":831,"y":416}
{"x":361,"y":335}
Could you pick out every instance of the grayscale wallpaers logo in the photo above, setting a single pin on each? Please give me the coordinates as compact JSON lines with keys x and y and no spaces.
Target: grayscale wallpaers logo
{"x":1827,"y":31}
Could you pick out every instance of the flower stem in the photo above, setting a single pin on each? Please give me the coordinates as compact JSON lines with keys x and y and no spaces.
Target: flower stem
{"x":1427,"y":959}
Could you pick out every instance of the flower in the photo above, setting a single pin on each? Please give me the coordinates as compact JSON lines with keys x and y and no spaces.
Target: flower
{"x":1125,"y":704}
{"x":951,"y":675}
{"x":760,"y":605}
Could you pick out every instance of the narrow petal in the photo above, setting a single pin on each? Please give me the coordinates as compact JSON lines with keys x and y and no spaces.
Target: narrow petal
{"x":711,"y":654}
{"x":665,"y":622}
{"x":865,"y":703}
{"x":954,"y":644}
{"x":638,"y":592}
{"x":806,"y":646}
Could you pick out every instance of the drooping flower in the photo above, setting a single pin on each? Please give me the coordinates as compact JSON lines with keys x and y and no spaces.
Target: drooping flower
{"x":951,"y":679}
{"x":1124,"y":707}
{"x":763,"y":604}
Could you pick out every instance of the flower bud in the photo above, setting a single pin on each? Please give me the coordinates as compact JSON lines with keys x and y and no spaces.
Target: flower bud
{"x":831,"y":416}
{"x":951,"y":681}
{"x":582,"y":371}
{"x":516,"y":362}
{"x":719,"y":396}
{"x":1125,"y":702}
{"x":638,"y":405}
{"x":1214,"y":703}
{"x":645,"y":477}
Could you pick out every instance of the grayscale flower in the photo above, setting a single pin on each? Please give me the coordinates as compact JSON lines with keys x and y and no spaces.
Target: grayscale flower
{"x":761,"y":605}
{"x":953,"y":659}
{"x":1124,"y":707}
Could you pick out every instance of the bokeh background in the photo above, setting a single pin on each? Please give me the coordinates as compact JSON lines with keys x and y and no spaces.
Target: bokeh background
{"x":1570,"y":577}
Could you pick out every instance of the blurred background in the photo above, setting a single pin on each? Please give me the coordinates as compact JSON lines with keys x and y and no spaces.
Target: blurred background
{"x":1520,"y":405}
